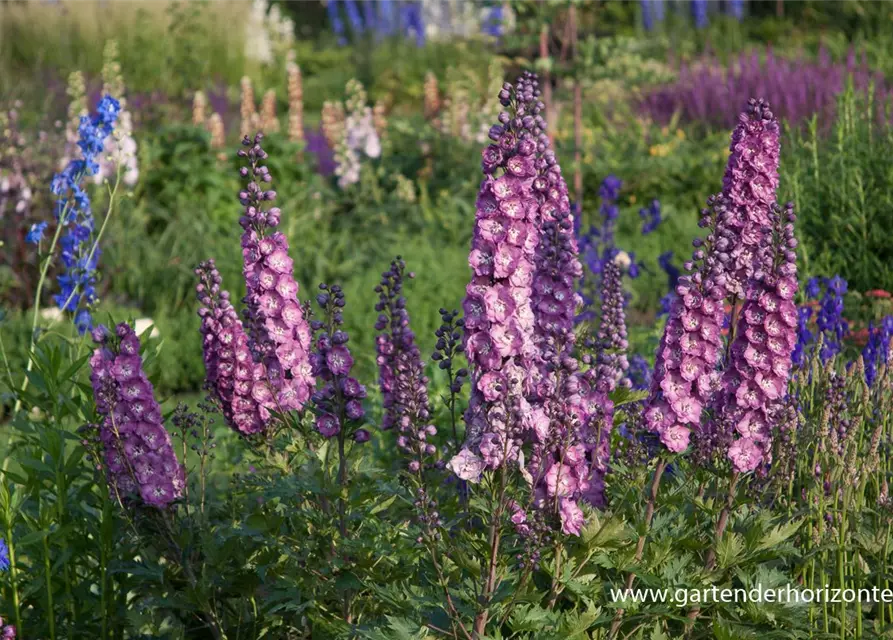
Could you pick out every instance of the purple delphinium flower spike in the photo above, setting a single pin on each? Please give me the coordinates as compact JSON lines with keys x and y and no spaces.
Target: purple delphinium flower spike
{"x":749,"y":186}
{"x":340,"y":400}
{"x":611,"y":339}
{"x":830,"y":320}
{"x":279,"y":335}
{"x":499,"y":320}
{"x":651,"y":217}
{"x":685,"y":377}
{"x":404,"y":386}
{"x":235,"y":381}
{"x":138,"y":455}
{"x":756,"y":380}
{"x":804,"y":336}
{"x":876,"y":351}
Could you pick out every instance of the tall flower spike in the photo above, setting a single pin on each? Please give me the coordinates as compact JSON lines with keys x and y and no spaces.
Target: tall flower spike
{"x":749,"y":186}
{"x":499,"y":319}
{"x":295,"y":103}
{"x":404,"y":386}
{"x":279,"y":335}
{"x":685,"y":377}
{"x":247,"y":109}
{"x":612,"y":342}
{"x":756,"y":380}
{"x":237,"y":383}
{"x":138,"y":455}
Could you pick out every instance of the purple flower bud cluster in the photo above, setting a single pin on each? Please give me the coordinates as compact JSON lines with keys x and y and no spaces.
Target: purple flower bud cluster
{"x":830,"y":320}
{"x":839,"y":427}
{"x":139,"y":458}
{"x":756,"y":380}
{"x":340,"y":400}
{"x":672,"y":271}
{"x":7,"y":631}
{"x":499,"y":319}
{"x":237,"y":383}
{"x":749,"y":186}
{"x":404,"y":386}
{"x":279,"y":335}
{"x":685,"y":378}
{"x":611,"y":339}
{"x":877,"y":349}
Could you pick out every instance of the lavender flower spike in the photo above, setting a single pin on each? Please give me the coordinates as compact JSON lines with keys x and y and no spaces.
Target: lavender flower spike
{"x":138,"y":455}
{"x":236,"y":382}
{"x":685,"y":378}
{"x":279,"y":335}
{"x":756,"y":381}
{"x":499,"y":319}
{"x":749,"y":186}
{"x":612,"y":336}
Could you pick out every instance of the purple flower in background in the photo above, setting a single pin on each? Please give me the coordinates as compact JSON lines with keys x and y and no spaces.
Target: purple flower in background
{"x":336,"y":21}
{"x":877,"y":350}
{"x":611,"y":339}
{"x":804,"y":336}
{"x":137,"y":452}
{"x":665,"y":262}
{"x":639,"y":372}
{"x":353,"y":16}
{"x":651,"y":217}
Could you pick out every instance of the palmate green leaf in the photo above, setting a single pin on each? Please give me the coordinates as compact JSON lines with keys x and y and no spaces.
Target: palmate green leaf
{"x":657,"y":633}
{"x":729,"y":549}
{"x":779,"y":534}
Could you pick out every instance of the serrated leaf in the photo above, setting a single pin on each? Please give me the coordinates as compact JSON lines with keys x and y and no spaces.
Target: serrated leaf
{"x":779,"y":534}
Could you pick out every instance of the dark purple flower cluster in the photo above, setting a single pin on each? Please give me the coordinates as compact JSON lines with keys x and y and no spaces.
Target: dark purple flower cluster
{"x":401,"y":372}
{"x":709,"y":90}
{"x":756,"y":380}
{"x":804,"y":336}
{"x":639,"y":372}
{"x":749,"y":186}
{"x":7,"y":631}
{"x":279,"y":335}
{"x":340,"y":400}
{"x":499,"y":319}
{"x":877,"y":349}
{"x":611,"y":339}
{"x":685,"y":378}
{"x":138,"y":455}
{"x":238,"y":384}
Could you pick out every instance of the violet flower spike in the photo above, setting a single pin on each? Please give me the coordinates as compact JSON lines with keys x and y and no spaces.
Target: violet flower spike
{"x":279,"y":335}
{"x":138,"y":456}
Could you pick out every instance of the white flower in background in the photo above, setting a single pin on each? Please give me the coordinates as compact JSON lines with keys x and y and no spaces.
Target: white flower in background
{"x":120,"y":148}
{"x":141,"y":325}
{"x":257,"y":37}
{"x":51,"y":314}
{"x":359,"y":136}
{"x":623,"y":260}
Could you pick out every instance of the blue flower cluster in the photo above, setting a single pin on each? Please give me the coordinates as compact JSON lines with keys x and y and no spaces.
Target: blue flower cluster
{"x":35,"y":233}
{"x":639,"y":372}
{"x":651,"y":217}
{"x":383,"y":18}
{"x":699,"y":12}
{"x":830,"y":321}
{"x":877,"y":348}
{"x":4,"y":555}
{"x":77,"y":290}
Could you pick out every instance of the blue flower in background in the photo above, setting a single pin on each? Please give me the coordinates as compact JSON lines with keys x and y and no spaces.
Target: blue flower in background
{"x":336,"y":21}
{"x":35,"y":233}
{"x":353,"y":16}
{"x":639,"y":372}
{"x":876,"y":350}
{"x":4,"y":555}
{"x":736,"y":9}
{"x":813,"y":288}
{"x":79,"y":255}
{"x":830,"y":319}
{"x":493,"y":24}
{"x":651,"y":217}
{"x":412,"y":22}
{"x":804,"y":336}
{"x":647,"y":15}
{"x":610,"y":188}
{"x":699,"y":11}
